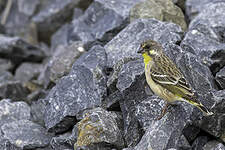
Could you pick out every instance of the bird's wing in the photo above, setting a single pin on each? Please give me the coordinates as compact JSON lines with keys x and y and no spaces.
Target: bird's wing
{"x":165,"y":73}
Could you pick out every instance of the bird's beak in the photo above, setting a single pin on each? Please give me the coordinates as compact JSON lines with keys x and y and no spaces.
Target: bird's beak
{"x":140,"y":50}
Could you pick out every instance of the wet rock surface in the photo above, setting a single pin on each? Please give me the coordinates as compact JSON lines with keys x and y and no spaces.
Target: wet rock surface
{"x":71,"y":77}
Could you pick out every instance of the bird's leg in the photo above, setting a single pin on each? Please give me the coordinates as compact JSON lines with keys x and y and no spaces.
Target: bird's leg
{"x":164,"y":110}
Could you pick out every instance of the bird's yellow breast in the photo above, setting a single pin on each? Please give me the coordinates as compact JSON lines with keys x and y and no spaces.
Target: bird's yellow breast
{"x":147,"y":58}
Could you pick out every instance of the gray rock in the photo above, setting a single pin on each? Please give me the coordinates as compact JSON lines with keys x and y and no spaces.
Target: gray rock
{"x":163,"y":10}
{"x":36,"y":95}
{"x":60,"y":37}
{"x":166,"y":133}
{"x":213,"y":145}
{"x":5,"y":76}
{"x":183,"y":144}
{"x":63,"y":59}
{"x":5,"y":65}
{"x":53,"y":16}
{"x":191,"y":132}
{"x":28,"y":71}
{"x":83,"y":88}
{"x":193,"y":7}
{"x":37,"y":111}
{"x":6,"y":145}
{"x":12,"y":111}
{"x":98,"y":126}
{"x":44,"y":77}
{"x":13,"y":90}
{"x":2,"y":5}
{"x":101,"y":21}
{"x":123,"y":48}
{"x":26,"y":134}
{"x":205,"y":37}
{"x":77,"y":12}
{"x":199,"y":142}
{"x":17,"y":50}
{"x":27,"y":7}
{"x":214,"y":124}
{"x":220,"y":78}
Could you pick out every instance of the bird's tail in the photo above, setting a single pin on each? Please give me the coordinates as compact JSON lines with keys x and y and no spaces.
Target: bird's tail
{"x":206,"y":111}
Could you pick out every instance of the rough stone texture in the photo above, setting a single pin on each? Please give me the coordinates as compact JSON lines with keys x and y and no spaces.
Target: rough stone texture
{"x":101,"y":21}
{"x":183,"y":144}
{"x":5,"y":76}
{"x":191,"y":132}
{"x":73,"y":93}
{"x":37,"y":111}
{"x":123,"y":47}
{"x":99,"y":125}
{"x":53,"y":16}
{"x":12,"y":111}
{"x":205,"y":37}
{"x":163,"y":10}
{"x":13,"y":90}
{"x":18,"y":50}
{"x":5,"y":65}
{"x":26,"y":134}
{"x":63,"y":59}
{"x":28,"y":71}
{"x":6,"y":145}
{"x":199,"y":142}
{"x":193,"y":7}
{"x":220,"y":78}
{"x":166,"y":133}
{"x":213,"y":145}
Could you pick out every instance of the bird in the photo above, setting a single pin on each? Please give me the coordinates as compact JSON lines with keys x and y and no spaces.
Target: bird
{"x":165,"y":79}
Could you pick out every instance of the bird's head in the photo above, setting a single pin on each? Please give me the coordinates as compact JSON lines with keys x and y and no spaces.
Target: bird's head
{"x":150,"y":48}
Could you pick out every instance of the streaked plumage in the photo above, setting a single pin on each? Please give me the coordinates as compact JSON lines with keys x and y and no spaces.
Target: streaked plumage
{"x":164,"y":78}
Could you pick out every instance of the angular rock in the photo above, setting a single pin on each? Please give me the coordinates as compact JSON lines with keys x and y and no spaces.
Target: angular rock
{"x":191,"y":132}
{"x":83,"y":88}
{"x":77,"y":12}
{"x":220,"y":78}
{"x":123,"y":48}
{"x":13,"y":90}
{"x":5,"y":65}
{"x":199,"y":142}
{"x":53,"y":16}
{"x":26,"y":134}
{"x":205,"y":37}
{"x":6,"y":145}
{"x":166,"y":133}
{"x":163,"y":10}
{"x":17,"y":50}
{"x":37,"y":111}
{"x":193,"y":7}
{"x":12,"y":111}
{"x":102,"y":20}
{"x":99,"y":126}
{"x":183,"y":144}
{"x":63,"y":59}
{"x":5,"y":76}
{"x":28,"y":71}
{"x":213,"y":145}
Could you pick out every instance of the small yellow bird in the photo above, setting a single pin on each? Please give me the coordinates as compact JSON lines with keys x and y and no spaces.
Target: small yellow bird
{"x":165,"y":79}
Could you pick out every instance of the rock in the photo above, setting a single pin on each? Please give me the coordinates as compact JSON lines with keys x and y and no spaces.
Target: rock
{"x":183,"y":144}
{"x":213,"y":124}
{"x":5,"y":65}
{"x":77,"y":12}
{"x":193,"y":8}
{"x":99,"y":125}
{"x":159,"y":9}
{"x":166,"y":133}
{"x":64,"y":141}
{"x":28,"y":71}
{"x":28,"y":8}
{"x":205,"y":37}
{"x":36,"y":95}
{"x":220,"y":78}
{"x":44,"y":77}
{"x":5,"y":76}
{"x":17,"y":50}
{"x":123,"y":47}
{"x":63,"y":59}
{"x":102,"y":20}
{"x":37,"y":111}
{"x":83,"y":88}
{"x":53,"y":16}
{"x":180,"y":3}
{"x":6,"y":145}
{"x":26,"y":134}
{"x":213,"y":145}
{"x":199,"y":142}
{"x":13,"y":90}
{"x":60,"y":37}
{"x":13,"y":111}
{"x":191,"y":132}
{"x":2,"y":5}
